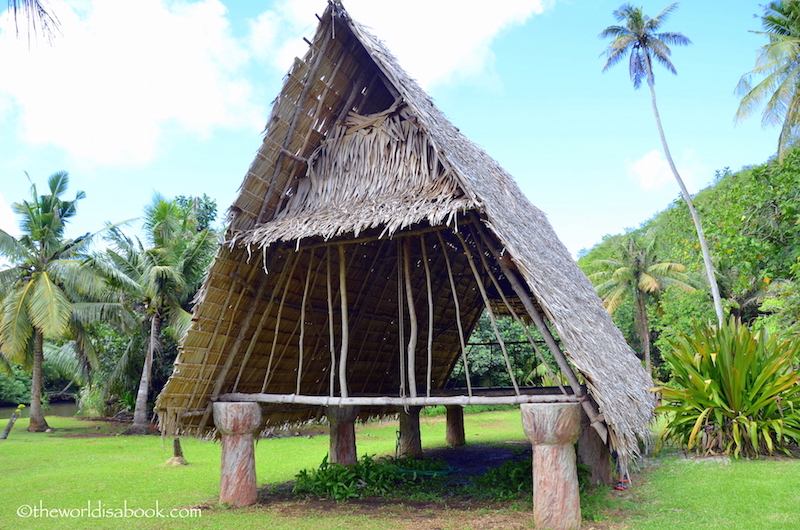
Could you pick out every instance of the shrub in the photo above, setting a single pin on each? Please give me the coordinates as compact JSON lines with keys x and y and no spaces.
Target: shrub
{"x":365,"y":478}
{"x":16,"y":388}
{"x":733,"y":391}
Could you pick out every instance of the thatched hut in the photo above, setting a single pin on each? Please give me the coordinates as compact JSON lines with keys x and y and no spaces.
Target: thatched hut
{"x":367,"y":238}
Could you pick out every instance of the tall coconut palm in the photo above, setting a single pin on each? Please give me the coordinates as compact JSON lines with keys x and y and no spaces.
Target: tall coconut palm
{"x":779,"y":63}
{"x":157,"y":283}
{"x":36,"y":15}
{"x":39,"y":292}
{"x":639,"y":38}
{"x":633,"y":271}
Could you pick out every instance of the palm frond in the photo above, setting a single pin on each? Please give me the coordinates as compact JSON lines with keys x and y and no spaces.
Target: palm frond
{"x":66,"y":361}
{"x":49,"y":308}
{"x":16,"y":328}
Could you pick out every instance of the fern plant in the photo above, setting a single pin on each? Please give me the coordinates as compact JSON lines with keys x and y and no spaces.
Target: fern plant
{"x":733,"y":391}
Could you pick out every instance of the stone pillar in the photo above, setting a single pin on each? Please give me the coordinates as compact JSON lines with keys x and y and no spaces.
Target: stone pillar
{"x":455,"y":426}
{"x":410,"y":440}
{"x":237,"y":423}
{"x":593,"y":452}
{"x":552,"y":429}
{"x":343,"y":434}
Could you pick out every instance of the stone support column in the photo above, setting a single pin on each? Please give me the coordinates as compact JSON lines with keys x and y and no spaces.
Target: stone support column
{"x":237,"y":423}
{"x":455,"y":426}
{"x":410,"y":439}
{"x":552,"y":429}
{"x":343,"y":434}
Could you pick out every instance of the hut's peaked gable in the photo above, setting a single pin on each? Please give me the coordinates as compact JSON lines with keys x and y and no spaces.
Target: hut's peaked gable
{"x":368,"y":236}
{"x":379,"y":170}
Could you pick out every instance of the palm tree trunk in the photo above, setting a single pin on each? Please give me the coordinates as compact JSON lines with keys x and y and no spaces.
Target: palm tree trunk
{"x":140,"y":424}
{"x":642,"y":327}
{"x":38,"y":423}
{"x":712,"y":281}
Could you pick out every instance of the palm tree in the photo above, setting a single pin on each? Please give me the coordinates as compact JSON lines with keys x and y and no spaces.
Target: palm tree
{"x":634,"y":272}
{"x":779,"y":63}
{"x":40,"y":292}
{"x":38,"y":17}
{"x":639,"y":38}
{"x":157,"y":284}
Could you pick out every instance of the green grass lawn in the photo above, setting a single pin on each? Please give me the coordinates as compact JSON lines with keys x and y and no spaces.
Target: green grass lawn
{"x":682,"y":494}
{"x":74,"y":468}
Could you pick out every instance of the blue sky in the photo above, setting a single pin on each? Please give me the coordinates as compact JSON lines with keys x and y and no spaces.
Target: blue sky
{"x":171,"y":97}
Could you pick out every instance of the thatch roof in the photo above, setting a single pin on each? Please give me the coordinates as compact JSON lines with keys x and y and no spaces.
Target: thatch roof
{"x":368,"y":220}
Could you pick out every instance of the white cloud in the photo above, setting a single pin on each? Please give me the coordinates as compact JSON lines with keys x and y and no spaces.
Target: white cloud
{"x":652,"y":172}
{"x":122,"y":74}
{"x":436,"y":41}
{"x":123,"y":71}
{"x":8,"y":220}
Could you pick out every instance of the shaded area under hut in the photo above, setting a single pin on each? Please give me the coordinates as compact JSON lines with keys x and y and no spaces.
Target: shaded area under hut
{"x":367,"y":238}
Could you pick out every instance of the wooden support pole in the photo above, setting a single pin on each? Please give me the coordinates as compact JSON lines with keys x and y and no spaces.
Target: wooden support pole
{"x":300,"y":345}
{"x":552,"y":430}
{"x":342,"y":435}
{"x":410,"y":441}
{"x":588,"y":405}
{"x":429,"y":286}
{"x":592,"y":452}
{"x":459,"y":325}
{"x":237,"y":423}
{"x":331,"y":346}
{"x":294,"y":259}
{"x":489,"y":311}
{"x":412,"y":318}
{"x":455,"y":436}
{"x":517,"y":318}
{"x":345,"y":324}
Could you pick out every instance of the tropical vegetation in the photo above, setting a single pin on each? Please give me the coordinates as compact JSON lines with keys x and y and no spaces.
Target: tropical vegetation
{"x":638,"y":36}
{"x":633,"y":271}
{"x":778,"y":62}
{"x":733,"y":391}
{"x":156,"y":284}
{"x":48,"y":293}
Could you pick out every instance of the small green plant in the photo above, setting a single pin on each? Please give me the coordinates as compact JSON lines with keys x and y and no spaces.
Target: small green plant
{"x":512,"y":479}
{"x":733,"y":391}
{"x":367,"y":477}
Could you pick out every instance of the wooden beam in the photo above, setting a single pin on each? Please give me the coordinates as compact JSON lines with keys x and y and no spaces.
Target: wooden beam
{"x":300,"y":344}
{"x":429,"y":288}
{"x":489,"y":311}
{"x":329,"y":401}
{"x":412,"y":317}
{"x":310,"y":79}
{"x":233,"y":353}
{"x":345,"y":326}
{"x":598,"y":422}
{"x":331,"y":347}
{"x":511,"y":307}
{"x":459,"y":325}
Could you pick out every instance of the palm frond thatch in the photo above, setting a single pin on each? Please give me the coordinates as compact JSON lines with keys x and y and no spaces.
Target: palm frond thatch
{"x":358,"y":173}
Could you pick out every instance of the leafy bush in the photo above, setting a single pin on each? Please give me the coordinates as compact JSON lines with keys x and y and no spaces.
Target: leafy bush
{"x":92,"y":402}
{"x":16,"y":388}
{"x":367,"y":477}
{"x":508,"y":481}
{"x":733,"y":391}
